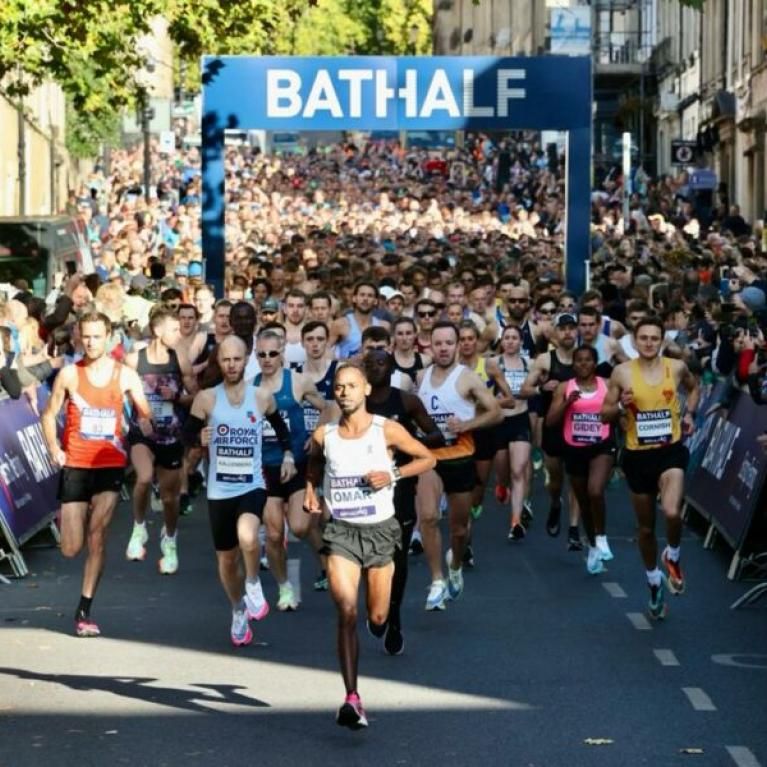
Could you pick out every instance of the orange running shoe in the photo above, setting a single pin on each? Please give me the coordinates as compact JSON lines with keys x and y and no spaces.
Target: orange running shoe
{"x":676,"y":583}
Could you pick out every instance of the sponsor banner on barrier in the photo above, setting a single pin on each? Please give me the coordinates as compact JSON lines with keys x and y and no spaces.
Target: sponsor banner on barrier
{"x":726,"y":484}
{"x":28,"y":478}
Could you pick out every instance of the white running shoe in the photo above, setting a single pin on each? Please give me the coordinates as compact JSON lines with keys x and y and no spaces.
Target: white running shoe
{"x":240,"y":631}
{"x":136,"y":551}
{"x":594,"y":563}
{"x":287,"y":599}
{"x":255,"y":602}
{"x":169,"y":562}
{"x":604,"y":548}
{"x":437,"y":596}
{"x":454,"y":577}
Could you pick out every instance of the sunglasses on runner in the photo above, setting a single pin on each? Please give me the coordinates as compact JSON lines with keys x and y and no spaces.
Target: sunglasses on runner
{"x":272,"y":354}
{"x":427,"y":314}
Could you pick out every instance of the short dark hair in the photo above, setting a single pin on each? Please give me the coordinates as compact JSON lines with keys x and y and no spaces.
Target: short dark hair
{"x":310,"y":327}
{"x":365,"y":284}
{"x":192,"y":307}
{"x":653,"y":321}
{"x":590,"y":349}
{"x":589,"y":311}
{"x":403,"y":321}
{"x":376,"y":333}
{"x":321,"y":295}
{"x":160,"y":314}
{"x":442,"y":325}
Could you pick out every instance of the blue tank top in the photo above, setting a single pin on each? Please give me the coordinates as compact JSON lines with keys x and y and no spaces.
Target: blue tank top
{"x":234,"y":468}
{"x":293,"y":415}
{"x":325,"y":388}
{"x":353,"y":342}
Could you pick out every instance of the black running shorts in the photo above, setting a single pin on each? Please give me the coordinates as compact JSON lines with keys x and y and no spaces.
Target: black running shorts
{"x":458,"y":475}
{"x":404,"y":500}
{"x":553,"y":442}
{"x":484,"y":444}
{"x":80,"y":485}
{"x":365,"y":545}
{"x":643,"y":468}
{"x":515,"y":428}
{"x":168,"y":455}
{"x":578,"y":459}
{"x":223,"y":514}
{"x":277,"y":489}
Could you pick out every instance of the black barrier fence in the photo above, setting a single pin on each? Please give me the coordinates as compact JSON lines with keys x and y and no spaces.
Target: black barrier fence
{"x":725,"y":479}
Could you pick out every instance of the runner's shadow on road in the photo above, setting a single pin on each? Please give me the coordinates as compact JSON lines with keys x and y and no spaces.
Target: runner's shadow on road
{"x":139,"y":688}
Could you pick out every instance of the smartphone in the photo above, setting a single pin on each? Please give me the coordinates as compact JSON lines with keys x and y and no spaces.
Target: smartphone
{"x":71,"y":268}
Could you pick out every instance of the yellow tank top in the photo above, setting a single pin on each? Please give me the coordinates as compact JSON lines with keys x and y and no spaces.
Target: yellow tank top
{"x":654,"y":418}
{"x":481,"y":370}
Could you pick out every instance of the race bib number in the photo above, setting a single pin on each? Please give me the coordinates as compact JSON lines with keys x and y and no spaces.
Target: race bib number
{"x":162,"y":411}
{"x":311,"y":418}
{"x":515,"y":379}
{"x":351,"y":498}
{"x":234,"y":464}
{"x":441,"y":420}
{"x":587,"y":428}
{"x":98,"y":423}
{"x":654,"y":427}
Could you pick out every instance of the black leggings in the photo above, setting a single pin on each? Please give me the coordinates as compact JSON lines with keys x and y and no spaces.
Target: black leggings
{"x":399,"y":579}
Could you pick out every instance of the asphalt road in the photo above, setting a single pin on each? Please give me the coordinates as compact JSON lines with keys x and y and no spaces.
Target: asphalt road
{"x":534,"y":660}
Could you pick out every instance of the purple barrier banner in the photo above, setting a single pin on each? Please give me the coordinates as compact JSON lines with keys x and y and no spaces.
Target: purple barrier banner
{"x":28,"y":479}
{"x":726,"y":485}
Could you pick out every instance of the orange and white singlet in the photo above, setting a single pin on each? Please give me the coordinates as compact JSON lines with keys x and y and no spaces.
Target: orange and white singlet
{"x":95,"y":430}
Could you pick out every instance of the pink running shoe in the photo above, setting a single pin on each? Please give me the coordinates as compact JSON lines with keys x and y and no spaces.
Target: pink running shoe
{"x":86,"y":627}
{"x":351,"y":714}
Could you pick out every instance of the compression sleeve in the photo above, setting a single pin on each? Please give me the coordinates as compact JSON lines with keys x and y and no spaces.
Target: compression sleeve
{"x":190,"y":431}
{"x":280,"y":429}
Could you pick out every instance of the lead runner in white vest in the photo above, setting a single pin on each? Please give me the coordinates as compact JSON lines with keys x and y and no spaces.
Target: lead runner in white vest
{"x":355,"y":457}
{"x":229,"y":420}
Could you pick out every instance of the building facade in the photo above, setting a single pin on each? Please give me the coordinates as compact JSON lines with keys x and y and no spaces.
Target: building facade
{"x":35,"y":170}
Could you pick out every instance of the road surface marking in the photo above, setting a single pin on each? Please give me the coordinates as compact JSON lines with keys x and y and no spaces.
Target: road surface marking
{"x":742,"y":756}
{"x":614,"y":590}
{"x":639,"y":622}
{"x":666,"y":657}
{"x":699,"y":700}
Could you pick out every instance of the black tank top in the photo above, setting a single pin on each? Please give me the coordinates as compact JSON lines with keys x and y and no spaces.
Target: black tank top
{"x":558,"y":371}
{"x":394,"y":408}
{"x":166,"y":414}
{"x":529,"y":346}
{"x":413,"y":369}
{"x":210,"y":345}
{"x":325,"y":384}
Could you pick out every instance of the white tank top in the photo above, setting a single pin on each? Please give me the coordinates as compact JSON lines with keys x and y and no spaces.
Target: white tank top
{"x":294,"y":354}
{"x":397,"y":377}
{"x":235,"y":450}
{"x":348,"y":496}
{"x":441,"y":403}
{"x":628,"y":346}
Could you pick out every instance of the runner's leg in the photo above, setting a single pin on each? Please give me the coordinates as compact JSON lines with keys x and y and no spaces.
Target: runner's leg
{"x":427,"y":505}
{"x":344,"y":580}
{"x":274,"y":519}
{"x":102,"y":509}
{"x":142,"y":459}
{"x":599,"y":475}
{"x":74,"y":522}
{"x":519,"y":460}
{"x":169,"y":481}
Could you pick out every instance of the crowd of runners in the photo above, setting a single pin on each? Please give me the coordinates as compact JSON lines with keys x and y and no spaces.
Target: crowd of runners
{"x":394,"y":333}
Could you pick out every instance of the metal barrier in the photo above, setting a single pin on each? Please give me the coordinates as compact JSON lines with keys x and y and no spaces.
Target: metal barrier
{"x":28,"y":480}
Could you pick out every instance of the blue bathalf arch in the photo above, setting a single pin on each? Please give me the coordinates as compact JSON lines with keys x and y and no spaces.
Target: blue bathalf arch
{"x":550,"y":93}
